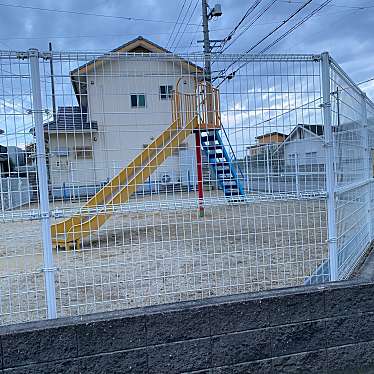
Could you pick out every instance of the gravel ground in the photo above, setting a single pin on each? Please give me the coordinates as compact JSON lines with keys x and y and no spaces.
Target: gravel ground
{"x":143,"y":258}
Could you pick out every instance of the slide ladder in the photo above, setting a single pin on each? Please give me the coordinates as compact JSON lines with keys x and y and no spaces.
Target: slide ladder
{"x":221,"y":164}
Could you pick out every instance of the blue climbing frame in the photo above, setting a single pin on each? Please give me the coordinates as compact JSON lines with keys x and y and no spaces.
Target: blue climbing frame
{"x":221,"y":163}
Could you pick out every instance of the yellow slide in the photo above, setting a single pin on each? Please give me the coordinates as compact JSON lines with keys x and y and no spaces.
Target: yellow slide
{"x":119,"y":190}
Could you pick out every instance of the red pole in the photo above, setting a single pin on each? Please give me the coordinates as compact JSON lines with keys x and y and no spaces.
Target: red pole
{"x":199,"y":166}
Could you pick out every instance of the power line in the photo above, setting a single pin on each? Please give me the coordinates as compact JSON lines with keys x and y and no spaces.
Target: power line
{"x":259,"y":15}
{"x":80,"y":13}
{"x":279,"y":115}
{"x":334,"y":5}
{"x":293,"y":28}
{"x":246,"y":15}
{"x":279,"y":26}
{"x":192,"y":14}
{"x":193,"y":38}
{"x":180,"y":25}
{"x":263,"y":39}
{"x":46,"y":37}
{"x":175,"y":24}
{"x":366,"y":81}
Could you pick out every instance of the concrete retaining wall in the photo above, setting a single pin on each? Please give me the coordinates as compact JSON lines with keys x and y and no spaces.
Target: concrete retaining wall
{"x":327,"y":329}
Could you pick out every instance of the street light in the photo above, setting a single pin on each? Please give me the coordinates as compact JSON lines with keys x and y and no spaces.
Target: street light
{"x":215,"y":12}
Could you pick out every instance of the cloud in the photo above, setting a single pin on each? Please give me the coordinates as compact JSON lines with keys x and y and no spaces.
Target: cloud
{"x":344,"y":32}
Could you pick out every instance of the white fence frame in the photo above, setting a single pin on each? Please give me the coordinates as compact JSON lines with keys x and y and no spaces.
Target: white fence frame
{"x":336,"y":270}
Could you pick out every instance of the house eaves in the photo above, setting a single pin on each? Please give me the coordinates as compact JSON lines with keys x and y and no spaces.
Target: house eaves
{"x":289,"y":137}
{"x":136,"y":46}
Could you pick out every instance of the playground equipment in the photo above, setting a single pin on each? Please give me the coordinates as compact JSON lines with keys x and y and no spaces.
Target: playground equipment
{"x":221,"y":163}
{"x":196,"y":112}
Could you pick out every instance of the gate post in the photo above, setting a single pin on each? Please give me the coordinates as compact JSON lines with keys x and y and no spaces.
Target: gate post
{"x":41,"y":159}
{"x":330,"y":167}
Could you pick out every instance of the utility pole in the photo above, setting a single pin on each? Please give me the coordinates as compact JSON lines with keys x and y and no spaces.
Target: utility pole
{"x":207,"y":77}
{"x":207,"y":48}
{"x":215,"y":12}
{"x":52,"y":84}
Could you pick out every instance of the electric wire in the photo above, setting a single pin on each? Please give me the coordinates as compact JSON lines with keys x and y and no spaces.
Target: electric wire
{"x":189,"y":19}
{"x":251,"y":23}
{"x":288,"y":19}
{"x":173,"y":40}
{"x":296,"y":26}
{"x":175,"y":24}
{"x":81,"y":13}
{"x":245,"y":16}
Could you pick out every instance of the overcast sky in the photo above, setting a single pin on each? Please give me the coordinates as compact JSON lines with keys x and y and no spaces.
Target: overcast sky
{"x":341,"y":29}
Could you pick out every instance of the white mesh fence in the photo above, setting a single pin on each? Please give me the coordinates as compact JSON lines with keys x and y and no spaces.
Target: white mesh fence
{"x":162,"y":187}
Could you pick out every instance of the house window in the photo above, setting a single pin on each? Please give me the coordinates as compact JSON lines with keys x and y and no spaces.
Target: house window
{"x":311,"y":158}
{"x":166,"y":92}
{"x":62,"y":163}
{"x":84,"y":153}
{"x":137,"y":101}
{"x":292,"y":157}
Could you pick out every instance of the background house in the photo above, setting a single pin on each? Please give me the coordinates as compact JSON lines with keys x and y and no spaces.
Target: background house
{"x":15,"y":187}
{"x":304,"y":146}
{"x":287,"y":164}
{"x":268,"y":142}
{"x":4,"y":165}
{"x":262,"y":157}
{"x":17,"y":156}
{"x":124,"y":103}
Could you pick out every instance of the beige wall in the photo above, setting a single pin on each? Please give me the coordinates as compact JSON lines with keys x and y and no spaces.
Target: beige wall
{"x":124,"y":131}
{"x":64,"y":164}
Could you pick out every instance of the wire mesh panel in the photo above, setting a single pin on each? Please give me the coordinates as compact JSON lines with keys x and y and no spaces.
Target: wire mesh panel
{"x":352,"y":170}
{"x":370,"y":156}
{"x":151,"y":245}
{"x":163,"y":186}
{"x":22,"y":292}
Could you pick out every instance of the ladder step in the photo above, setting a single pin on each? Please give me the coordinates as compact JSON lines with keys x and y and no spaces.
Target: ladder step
{"x":215,"y":155}
{"x":214,"y":150}
{"x":210,"y":138}
{"x":230,"y":184}
{"x":232,"y":194}
{"x":231,"y":190}
{"x":223,"y":172}
{"x":214,"y":146}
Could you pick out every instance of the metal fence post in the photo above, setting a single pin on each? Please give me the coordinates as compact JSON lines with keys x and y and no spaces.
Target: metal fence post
{"x":367,"y":166}
{"x":2,"y":204}
{"x":330,"y":167}
{"x":48,"y":267}
{"x":297,"y":174}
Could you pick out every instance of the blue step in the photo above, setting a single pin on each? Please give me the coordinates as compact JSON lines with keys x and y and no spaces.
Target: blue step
{"x":221,"y":163}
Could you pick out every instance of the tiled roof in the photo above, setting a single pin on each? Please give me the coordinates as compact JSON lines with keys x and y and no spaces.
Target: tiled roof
{"x":71,"y":119}
{"x":270,"y":134}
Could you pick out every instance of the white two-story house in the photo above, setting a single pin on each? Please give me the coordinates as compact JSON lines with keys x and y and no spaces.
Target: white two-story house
{"x":124,"y":101}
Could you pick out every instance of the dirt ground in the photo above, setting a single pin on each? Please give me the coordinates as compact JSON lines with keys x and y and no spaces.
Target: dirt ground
{"x":148,"y":257}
